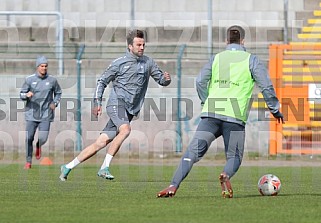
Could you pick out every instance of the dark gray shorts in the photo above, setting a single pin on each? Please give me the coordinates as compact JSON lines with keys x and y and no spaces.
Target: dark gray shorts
{"x":118,"y":116}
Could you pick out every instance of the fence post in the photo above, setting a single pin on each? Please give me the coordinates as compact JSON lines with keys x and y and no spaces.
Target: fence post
{"x":178,"y":115}
{"x":273,"y":51}
{"x":79,"y":130}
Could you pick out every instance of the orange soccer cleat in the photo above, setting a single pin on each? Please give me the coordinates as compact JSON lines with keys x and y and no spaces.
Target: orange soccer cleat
{"x":227,"y":191}
{"x":167,"y":192}
{"x":27,"y":166}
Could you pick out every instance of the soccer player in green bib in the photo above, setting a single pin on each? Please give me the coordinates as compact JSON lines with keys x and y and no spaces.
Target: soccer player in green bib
{"x":224,"y":86}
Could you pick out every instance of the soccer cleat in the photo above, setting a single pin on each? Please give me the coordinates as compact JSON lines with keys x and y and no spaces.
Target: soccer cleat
{"x":167,"y":192}
{"x":38,"y":152}
{"x":27,"y":166}
{"x":104,"y":173}
{"x":64,"y":173}
{"x":227,"y":191}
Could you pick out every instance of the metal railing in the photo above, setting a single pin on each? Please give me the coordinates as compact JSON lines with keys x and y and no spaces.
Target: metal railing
{"x":29,"y":51}
{"x":59,"y":31}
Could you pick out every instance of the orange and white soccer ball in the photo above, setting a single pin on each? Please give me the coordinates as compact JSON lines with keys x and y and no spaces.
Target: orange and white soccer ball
{"x":269,"y":185}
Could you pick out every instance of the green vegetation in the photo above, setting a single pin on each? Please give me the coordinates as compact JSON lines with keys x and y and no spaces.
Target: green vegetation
{"x":37,"y":195}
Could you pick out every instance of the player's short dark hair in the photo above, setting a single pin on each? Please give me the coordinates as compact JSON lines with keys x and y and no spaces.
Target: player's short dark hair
{"x":235,"y":34}
{"x":132,"y":34}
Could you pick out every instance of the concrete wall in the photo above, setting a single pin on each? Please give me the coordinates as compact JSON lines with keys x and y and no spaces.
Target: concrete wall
{"x":167,"y":20}
{"x":165,"y":13}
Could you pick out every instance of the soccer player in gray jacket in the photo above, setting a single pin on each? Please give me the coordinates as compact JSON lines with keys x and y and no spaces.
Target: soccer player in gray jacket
{"x":42,"y":94}
{"x":129,"y":75}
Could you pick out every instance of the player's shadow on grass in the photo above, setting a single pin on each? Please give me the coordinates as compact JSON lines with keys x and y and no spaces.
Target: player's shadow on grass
{"x":236,"y":196}
{"x":279,"y":195}
{"x":300,"y":194}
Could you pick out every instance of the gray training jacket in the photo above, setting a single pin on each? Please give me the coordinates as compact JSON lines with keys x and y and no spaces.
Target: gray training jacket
{"x":129,"y":75}
{"x":46,"y":90}
{"x":259,"y":74}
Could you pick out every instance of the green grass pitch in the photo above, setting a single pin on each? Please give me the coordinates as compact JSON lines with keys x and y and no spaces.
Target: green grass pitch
{"x":37,"y":195}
